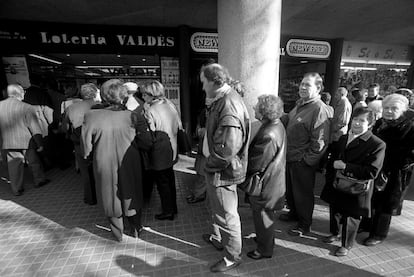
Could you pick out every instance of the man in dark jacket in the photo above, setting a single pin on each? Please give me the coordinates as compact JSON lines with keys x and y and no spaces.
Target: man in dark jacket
{"x":373,"y":93}
{"x":225,"y":146}
{"x":307,"y":136}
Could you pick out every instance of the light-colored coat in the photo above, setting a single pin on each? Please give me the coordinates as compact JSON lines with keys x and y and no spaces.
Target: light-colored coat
{"x":116,"y":159}
{"x":164,"y":121}
{"x":19,"y":125}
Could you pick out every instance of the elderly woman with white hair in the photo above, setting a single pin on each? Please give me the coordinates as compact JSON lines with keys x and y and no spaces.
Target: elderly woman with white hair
{"x":397,"y":131}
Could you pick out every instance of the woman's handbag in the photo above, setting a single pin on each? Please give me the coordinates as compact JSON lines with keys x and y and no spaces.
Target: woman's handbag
{"x":350,"y":185}
{"x":253,"y":185}
{"x":381,"y":181}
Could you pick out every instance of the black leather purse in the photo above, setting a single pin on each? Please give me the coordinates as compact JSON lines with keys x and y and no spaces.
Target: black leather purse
{"x":253,"y":185}
{"x":350,"y":185}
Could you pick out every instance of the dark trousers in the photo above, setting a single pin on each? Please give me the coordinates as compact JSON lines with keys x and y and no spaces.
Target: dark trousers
{"x":379,"y":224}
{"x":165,"y":181}
{"x":345,"y":225}
{"x":15,"y":164}
{"x":264,"y":225}
{"x":87,"y":178}
{"x":117,"y":224}
{"x":300,"y":182}
{"x":147,"y":184}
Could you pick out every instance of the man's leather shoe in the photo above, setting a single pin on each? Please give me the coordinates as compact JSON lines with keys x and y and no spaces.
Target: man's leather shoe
{"x":288,"y":217}
{"x":220,"y":266}
{"x":42,"y":183}
{"x":298,"y":231}
{"x":331,"y":238}
{"x":164,"y":216}
{"x":372,"y":241}
{"x":193,"y":199}
{"x":255,"y":255}
{"x":210,"y":240}
{"x":342,"y":251}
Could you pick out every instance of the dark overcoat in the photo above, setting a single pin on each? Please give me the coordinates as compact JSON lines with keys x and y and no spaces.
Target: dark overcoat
{"x":363,"y":158}
{"x":399,"y":137}
{"x":267,"y":155}
{"x":111,"y":136}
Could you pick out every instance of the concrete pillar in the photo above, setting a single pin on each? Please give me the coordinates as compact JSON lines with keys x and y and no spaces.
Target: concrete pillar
{"x":184,"y":56}
{"x":249,"y":43}
{"x":333,"y":68}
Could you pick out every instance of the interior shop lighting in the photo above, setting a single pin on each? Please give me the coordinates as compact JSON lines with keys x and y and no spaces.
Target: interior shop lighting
{"x":145,"y":66}
{"x":92,"y":74}
{"x":357,"y":68}
{"x":399,"y":69}
{"x":375,"y":62}
{"x":45,"y":59}
{"x":98,"y":66}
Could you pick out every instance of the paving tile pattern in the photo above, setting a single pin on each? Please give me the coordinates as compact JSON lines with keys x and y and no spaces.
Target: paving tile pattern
{"x":49,"y":231}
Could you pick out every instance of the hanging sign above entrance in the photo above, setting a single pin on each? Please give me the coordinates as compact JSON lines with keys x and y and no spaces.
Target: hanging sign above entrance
{"x":204,"y":42}
{"x":308,"y":48}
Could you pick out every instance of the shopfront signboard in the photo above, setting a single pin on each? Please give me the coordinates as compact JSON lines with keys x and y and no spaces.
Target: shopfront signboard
{"x":308,"y":48}
{"x":81,"y":38}
{"x":371,"y":52}
{"x":204,"y":42}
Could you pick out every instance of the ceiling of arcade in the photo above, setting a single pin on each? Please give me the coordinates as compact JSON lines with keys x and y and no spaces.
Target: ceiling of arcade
{"x":379,"y":21}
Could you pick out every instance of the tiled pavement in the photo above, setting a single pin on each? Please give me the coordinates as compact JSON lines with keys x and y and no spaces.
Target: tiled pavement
{"x":50,"y":232}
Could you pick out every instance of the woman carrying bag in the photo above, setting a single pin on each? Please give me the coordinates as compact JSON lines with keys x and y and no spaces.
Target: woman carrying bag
{"x":265,"y":181}
{"x":358,"y":155}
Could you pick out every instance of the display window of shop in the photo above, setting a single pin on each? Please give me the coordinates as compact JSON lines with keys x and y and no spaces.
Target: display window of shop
{"x":73,"y":54}
{"x":363,"y":64}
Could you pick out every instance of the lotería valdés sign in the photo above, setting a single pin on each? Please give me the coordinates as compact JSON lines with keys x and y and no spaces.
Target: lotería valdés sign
{"x":308,"y":48}
{"x":92,"y":39}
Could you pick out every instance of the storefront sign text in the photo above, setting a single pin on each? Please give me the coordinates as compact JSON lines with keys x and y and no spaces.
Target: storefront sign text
{"x":375,"y":52}
{"x":92,"y":39}
{"x":204,"y":42}
{"x":308,"y":48}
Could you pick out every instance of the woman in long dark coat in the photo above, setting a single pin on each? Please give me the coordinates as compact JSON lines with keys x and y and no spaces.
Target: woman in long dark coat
{"x":267,"y":157}
{"x":359,"y":155}
{"x":110,"y":134}
{"x":396,"y":129}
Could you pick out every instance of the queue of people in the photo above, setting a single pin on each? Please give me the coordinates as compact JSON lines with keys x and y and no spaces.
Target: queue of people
{"x":125,"y":141}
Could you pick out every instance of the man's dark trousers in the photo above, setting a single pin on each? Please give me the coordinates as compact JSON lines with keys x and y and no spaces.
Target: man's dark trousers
{"x":299,"y":194}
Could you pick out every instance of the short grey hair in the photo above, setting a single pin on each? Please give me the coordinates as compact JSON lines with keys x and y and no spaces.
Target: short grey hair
{"x":15,"y":91}
{"x":89,"y":91}
{"x":395,"y":97}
